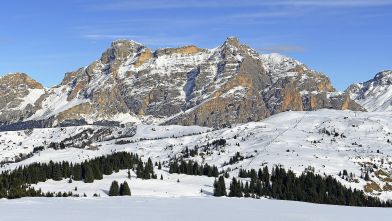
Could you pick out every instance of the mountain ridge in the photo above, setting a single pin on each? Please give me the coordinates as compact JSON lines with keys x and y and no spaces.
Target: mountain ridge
{"x":374,"y":94}
{"x":229,"y":84}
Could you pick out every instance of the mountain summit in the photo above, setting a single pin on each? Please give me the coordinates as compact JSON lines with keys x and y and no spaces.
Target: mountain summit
{"x":229,"y":84}
{"x":375,"y":94}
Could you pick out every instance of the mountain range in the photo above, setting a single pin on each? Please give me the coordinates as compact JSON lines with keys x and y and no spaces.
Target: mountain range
{"x":229,"y":106}
{"x":217,"y":87}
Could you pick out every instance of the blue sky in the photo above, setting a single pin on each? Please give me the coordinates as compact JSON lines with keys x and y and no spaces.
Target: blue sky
{"x":349,"y":40}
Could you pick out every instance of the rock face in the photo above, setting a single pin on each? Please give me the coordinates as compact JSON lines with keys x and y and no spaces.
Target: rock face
{"x":20,"y":97}
{"x":375,"y":94}
{"x":188,"y":85}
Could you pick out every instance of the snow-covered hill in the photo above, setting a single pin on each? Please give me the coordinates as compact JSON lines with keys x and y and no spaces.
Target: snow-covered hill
{"x":375,"y":94}
{"x":326,"y":141}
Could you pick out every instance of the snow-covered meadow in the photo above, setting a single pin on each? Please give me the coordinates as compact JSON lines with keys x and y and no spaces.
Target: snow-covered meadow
{"x":180,"y":208}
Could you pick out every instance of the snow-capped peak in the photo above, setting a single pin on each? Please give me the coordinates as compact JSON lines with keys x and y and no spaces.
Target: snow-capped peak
{"x":120,"y":42}
{"x":384,"y":77}
{"x":375,"y":94}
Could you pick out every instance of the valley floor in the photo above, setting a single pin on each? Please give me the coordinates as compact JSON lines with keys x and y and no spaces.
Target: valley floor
{"x":180,"y":208}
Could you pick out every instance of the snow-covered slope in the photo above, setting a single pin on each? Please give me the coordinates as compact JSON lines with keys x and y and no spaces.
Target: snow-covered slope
{"x":178,"y":209}
{"x":326,"y":141}
{"x":375,"y":94}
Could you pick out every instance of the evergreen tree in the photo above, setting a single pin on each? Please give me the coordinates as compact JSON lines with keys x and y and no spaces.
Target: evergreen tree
{"x":56,"y":171}
{"x":367,"y":178}
{"x":88,"y":175}
{"x":114,"y":189}
{"x":97,"y":172}
{"x":77,"y":172}
{"x":220,"y":187}
{"x":124,"y":189}
{"x":246,"y":190}
{"x":235,"y":188}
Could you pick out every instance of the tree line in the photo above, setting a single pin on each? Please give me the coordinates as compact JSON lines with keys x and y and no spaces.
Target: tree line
{"x":193,"y":168}
{"x":285,"y":185}
{"x":15,"y":183}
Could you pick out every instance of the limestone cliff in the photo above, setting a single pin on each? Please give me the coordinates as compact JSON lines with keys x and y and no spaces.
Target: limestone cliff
{"x":229,"y":84}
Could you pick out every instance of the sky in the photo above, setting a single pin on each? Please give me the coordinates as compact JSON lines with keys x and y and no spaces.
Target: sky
{"x":348,"y":40}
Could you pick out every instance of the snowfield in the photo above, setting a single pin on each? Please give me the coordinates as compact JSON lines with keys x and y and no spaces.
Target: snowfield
{"x":180,"y":208}
{"x":326,"y":141}
{"x":191,"y":186}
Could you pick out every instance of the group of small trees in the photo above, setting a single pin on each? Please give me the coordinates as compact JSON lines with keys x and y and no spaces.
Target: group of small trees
{"x":193,"y":168}
{"x":15,"y":184}
{"x":285,"y":185}
{"x":145,"y":170}
{"x":236,"y":158}
{"x":122,"y":190}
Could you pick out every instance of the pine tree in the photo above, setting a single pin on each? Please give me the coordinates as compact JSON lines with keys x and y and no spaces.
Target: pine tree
{"x":220,"y":187}
{"x":124,"y":189}
{"x":77,"y":172}
{"x":367,"y":178}
{"x":246,"y":190}
{"x":97,"y":172}
{"x":56,"y":172}
{"x":88,"y":175}
{"x":114,"y":189}
{"x":107,"y":168}
{"x":217,"y":188}
{"x":235,"y":188}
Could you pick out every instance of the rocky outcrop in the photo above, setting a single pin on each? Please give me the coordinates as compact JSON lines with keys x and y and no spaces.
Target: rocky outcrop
{"x":375,"y":94}
{"x":188,"y":85}
{"x":20,"y":97}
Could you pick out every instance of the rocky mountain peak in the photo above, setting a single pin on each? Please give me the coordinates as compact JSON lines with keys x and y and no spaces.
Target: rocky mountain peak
{"x":232,"y":40}
{"x":18,"y":81}
{"x":20,"y":97}
{"x":233,"y":43}
{"x":375,"y":94}
{"x":120,"y":50}
{"x":384,"y":77}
